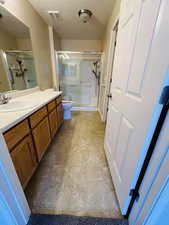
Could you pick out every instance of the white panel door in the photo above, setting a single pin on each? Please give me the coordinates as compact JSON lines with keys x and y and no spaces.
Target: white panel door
{"x":154,"y":184}
{"x":141,"y":63}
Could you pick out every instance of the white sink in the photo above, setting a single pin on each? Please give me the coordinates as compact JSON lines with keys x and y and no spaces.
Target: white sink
{"x":13,"y":106}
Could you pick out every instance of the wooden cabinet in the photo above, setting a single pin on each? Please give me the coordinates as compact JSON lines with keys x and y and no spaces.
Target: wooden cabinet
{"x":53,"y":122}
{"x":41,"y":135}
{"x":28,"y":140}
{"x":24,"y":159}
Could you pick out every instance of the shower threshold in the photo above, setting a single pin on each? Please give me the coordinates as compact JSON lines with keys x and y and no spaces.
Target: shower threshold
{"x":84,"y":108}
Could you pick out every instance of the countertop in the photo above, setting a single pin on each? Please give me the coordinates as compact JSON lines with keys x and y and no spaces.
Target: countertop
{"x":10,"y":119}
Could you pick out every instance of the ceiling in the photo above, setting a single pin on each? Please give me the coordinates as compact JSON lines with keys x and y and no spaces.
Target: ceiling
{"x":12,"y":25}
{"x":68,"y":24}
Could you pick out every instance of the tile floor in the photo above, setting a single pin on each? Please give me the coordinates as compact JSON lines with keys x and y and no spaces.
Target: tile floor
{"x":73,"y":177}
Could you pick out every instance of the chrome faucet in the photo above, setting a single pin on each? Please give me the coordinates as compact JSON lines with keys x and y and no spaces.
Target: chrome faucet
{"x":4,"y":99}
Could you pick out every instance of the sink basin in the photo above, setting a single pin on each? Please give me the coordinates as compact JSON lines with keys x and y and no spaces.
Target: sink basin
{"x":13,"y":106}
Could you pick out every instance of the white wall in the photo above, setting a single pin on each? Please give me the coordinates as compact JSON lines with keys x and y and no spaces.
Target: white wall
{"x":24,"y":44}
{"x":7,"y":41}
{"x":81,"y":45}
{"x":57,"y":41}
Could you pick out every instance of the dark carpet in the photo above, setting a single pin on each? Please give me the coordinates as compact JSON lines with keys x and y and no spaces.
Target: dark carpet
{"x":41,"y":219}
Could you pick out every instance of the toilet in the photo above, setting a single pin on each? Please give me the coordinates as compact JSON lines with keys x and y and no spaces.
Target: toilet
{"x":67,"y":106}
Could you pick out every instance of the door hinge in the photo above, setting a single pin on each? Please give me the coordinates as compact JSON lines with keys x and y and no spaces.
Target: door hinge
{"x":164,"y":99}
{"x":109,"y":95}
{"x":134,"y":194}
{"x":107,"y":109}
{"x":110,"y":80}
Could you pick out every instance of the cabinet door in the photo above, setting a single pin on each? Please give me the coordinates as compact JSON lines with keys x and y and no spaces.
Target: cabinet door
{"x":16,"y":134}
{"x":41,"y":135}
{"x":53,"y":122}
{"x":24,"y":160}
{"x":59,"y":99}
{"x":60,"y":114}
{"x":51,"y":105}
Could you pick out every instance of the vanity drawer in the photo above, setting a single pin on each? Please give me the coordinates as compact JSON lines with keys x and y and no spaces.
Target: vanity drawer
{"x":15,"y":134}
{"x":38,"y":116}
{"x":51,"y":106}
{"x":59,"y":99}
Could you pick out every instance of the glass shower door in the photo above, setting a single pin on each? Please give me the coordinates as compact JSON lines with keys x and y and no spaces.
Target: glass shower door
{"x":77,"y":80}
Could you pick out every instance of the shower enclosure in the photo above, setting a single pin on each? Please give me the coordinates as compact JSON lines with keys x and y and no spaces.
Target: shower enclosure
{"x":20,"y":69}
{"x":79,"y":77}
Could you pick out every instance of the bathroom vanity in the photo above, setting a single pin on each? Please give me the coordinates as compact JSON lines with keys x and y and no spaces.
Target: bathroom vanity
{"x":29,"y":133}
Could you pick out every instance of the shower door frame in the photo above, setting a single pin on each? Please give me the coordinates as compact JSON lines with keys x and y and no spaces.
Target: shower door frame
{"x":81,"y":108}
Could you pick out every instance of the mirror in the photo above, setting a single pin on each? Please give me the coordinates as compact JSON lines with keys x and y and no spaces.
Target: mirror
{"x":17,"y":68}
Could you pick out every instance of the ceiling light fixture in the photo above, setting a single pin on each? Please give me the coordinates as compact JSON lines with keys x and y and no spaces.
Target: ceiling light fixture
{"x":85,"y":15}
